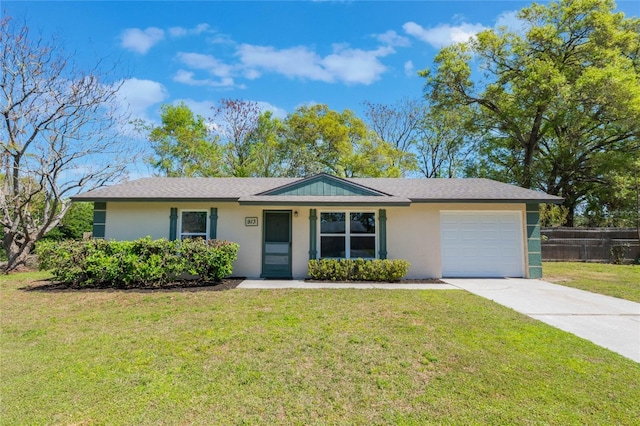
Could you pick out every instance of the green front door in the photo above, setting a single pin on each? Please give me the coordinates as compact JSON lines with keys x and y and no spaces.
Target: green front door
{"x":276,"y":246}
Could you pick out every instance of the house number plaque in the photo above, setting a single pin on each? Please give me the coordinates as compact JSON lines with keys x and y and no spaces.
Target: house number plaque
{"x":250,"y":221}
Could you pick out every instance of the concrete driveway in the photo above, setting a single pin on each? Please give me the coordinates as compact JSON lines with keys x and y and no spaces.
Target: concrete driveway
{"x":606,"y":321}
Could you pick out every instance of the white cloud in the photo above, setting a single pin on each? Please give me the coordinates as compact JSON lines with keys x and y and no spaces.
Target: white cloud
{"x":276,"y":111}
{"x":138,"y":95}
{"x":181,"y":31}
{"x":202,"y":108}
{"x":292,"y":62}
{"x":139,"y":40}
{"x":409,"y":69}
{"x":391,"y":38}
{"x":205,"y":62}
{"x":355,"y":66}
{"x":251,"y":74}
{"x":188,"y":78}
{"x":351,"y":66}
{"x":511,"y":22}
{"x":443,"y":34}
{"x":344,"y":64}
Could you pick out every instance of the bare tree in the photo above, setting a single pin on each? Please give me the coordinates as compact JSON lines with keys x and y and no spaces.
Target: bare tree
{"x":236,"y":121}
{"x":58,"y":136}
{"x":398,"y":125}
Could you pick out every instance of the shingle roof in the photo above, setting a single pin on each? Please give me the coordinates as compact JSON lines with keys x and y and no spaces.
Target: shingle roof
{"x":448,"y":190}
{"x":246,"y":190}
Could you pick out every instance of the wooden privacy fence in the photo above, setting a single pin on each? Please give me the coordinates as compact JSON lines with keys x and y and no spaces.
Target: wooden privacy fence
{"x":617,"y":245}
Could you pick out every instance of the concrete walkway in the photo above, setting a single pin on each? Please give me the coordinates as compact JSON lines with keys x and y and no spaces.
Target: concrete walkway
{"x":606,"y":321}
{"x":301,"y":284}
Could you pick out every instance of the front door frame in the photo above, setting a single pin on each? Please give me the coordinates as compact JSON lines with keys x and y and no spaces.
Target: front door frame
{"x":278,"y":274}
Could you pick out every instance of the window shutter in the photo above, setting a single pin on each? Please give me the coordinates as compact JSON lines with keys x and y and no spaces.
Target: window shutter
{"x":173,"y":223}
{"x":382,"y":217}
{"x":313,"y":223}
{"x":213,"y":223}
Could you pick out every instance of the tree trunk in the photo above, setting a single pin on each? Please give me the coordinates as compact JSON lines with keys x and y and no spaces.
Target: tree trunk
{"x":17,"y":255}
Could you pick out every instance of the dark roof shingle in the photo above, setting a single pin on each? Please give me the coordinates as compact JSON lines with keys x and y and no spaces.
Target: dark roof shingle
{"x":245,"y":190}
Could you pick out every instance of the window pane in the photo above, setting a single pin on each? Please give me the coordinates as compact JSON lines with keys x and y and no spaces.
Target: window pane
{"x":332,"y":223}
{"x":332,"y":247}
{"x":276,"y":227}
{"x":193,"y":237}
{"x":363,"y":247}
{"x":363,"y":223}
{"x":194,"y":222}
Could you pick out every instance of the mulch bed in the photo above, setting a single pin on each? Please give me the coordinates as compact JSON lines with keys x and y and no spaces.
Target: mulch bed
{"x":188,"y":285}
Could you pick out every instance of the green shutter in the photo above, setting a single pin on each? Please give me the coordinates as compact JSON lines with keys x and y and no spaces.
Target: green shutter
{"x":213,"y":223}
{"x":173,"y":224}
{"x":382,"y":233}
{"x":313,"y":232}
{"x":534,"y":248}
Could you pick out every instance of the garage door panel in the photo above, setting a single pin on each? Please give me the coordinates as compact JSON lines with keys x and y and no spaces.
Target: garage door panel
{"x":482,"y":244}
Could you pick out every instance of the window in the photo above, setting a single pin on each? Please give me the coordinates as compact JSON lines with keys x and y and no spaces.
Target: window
{"x":193,"y":224}
{"x":354,"y":238}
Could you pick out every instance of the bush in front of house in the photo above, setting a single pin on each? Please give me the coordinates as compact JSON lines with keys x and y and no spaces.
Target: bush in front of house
{"x":140,"y":263}
{"x":382,"y":270}
{"x":211,"y":260}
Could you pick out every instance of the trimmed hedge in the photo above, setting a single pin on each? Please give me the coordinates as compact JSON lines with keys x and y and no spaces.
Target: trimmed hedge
{"x":140,"y":263}
{"x":383,"y":270}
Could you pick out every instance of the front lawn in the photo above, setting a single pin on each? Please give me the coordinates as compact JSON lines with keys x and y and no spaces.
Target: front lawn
{"x":296,"y":357}
{"x":621,"y":281}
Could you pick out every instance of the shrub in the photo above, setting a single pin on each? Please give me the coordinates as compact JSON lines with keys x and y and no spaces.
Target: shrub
{"x":385,"y":270}
{"x":141,"y":263}
{"x":211,"y":260}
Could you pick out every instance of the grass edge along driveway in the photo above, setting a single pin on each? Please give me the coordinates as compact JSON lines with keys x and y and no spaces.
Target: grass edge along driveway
{"x":296,"y":357}
{"x":622,"y":281}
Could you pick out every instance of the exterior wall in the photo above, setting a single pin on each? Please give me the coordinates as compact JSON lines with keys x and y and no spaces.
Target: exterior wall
{"x":133,"y":220}
{"x":413,"y":233}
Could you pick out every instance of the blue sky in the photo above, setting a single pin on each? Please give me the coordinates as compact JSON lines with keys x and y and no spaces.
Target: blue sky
{"x":282,"y":54}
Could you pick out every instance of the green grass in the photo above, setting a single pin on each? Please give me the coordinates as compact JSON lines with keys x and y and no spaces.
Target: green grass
{"x":621,"y":281}
{"x":296,"y":357}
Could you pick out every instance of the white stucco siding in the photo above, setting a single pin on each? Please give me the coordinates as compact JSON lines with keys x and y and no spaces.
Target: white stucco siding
{"x":413,"y":233}
{"x":231,"y":227}
{"x":130,"y":221}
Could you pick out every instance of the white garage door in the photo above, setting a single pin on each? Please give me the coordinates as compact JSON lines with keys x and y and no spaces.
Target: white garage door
{"x":481,"y":244}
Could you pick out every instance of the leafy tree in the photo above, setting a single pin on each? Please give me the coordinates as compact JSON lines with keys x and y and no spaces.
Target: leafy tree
{"x":182,"y":144}
{"x":267,"y":146}
{"x":618,"y":202}
{"x":445,"y":141}
{"x":555,"y":101}
{"x":74,"y":224}
{"x":58,"y":136}
{"x":319,"y":139}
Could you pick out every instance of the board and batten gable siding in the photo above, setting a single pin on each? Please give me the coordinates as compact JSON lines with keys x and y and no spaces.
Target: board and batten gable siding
{"x":322,"y":186}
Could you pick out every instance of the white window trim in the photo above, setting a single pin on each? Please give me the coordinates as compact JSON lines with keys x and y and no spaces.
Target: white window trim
{"x":347,"y":234}
{"x":192,"y":234}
